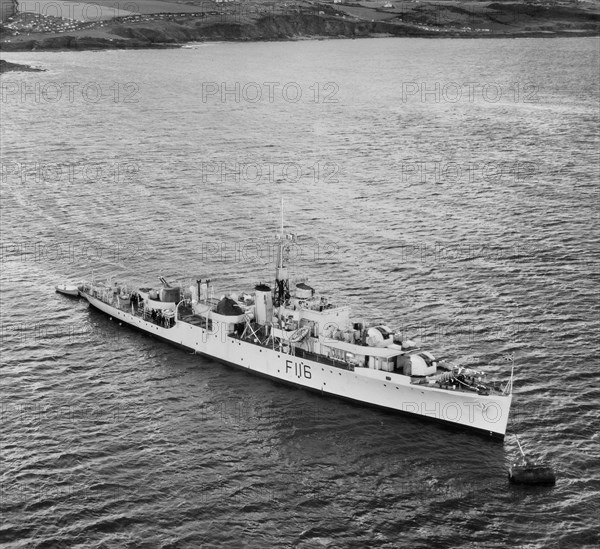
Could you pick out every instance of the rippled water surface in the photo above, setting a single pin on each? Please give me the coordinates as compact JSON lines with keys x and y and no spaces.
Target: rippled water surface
{"x":466,"y":217}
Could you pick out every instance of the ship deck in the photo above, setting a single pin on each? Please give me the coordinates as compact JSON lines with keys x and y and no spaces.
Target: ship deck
{"x":185,"y":314}
{"x":134,"y":310}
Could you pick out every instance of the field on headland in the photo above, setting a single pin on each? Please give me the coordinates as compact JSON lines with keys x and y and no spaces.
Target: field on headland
{"x":64,"y":24}
{"x":96,"y":10}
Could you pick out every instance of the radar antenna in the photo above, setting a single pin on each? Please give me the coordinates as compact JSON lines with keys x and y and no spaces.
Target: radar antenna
{"x":282,"y":283}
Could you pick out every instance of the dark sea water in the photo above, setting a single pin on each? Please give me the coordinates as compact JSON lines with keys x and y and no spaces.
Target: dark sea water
{"x":466,"y":217}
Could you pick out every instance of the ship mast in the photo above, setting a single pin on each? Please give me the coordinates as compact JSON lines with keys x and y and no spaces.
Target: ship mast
{"x":282,"y":284}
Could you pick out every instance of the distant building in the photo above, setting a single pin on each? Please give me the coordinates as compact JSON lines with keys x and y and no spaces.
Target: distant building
{"x":389,"y":5}
{"x":8,"y":8}
{"x":338,"y":1}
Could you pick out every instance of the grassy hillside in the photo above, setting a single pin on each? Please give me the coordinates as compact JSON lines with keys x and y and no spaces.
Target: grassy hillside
{"x":51,"y":24}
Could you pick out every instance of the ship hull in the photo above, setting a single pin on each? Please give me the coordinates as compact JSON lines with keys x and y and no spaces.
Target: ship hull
{"x":483,"y":414}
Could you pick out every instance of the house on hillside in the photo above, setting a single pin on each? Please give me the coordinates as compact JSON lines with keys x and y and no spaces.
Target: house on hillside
{"x":8,"y":8}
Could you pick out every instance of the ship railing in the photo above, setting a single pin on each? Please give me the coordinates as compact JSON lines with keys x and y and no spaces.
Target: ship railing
{"x":329,"y":361}
{"x":212,"y":301}
{"x":451,"y":383}
{"x":156,"y":317}
{"x":295,"y":351}
{"x":145,"y":313}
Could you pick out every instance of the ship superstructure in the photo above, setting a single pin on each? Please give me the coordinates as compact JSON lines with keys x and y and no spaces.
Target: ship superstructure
{"x":297,"y":336}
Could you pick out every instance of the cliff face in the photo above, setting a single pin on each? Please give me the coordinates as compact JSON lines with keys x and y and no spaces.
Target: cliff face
{"x":278,"y":27}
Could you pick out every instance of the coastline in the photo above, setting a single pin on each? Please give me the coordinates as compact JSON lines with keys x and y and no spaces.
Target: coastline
{"x":5,"y":66}
{"x":33,"y":32}
{"x":75,"y":43}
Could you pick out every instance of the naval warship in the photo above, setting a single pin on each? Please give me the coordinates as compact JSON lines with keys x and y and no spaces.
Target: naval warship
{"x":291,"y":333}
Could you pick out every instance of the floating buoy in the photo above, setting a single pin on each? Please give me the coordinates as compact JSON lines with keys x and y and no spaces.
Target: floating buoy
{"x":532,"y":473}
{"x":528,"y":472}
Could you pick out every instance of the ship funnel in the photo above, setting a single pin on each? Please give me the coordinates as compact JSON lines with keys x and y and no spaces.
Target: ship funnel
{"x":264,"y":304}
{"x":304,"y":291}
{"x":204,"y":289}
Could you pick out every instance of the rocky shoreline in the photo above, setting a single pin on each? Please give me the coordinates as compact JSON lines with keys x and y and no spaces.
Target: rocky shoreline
{"x":5,"y":66}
